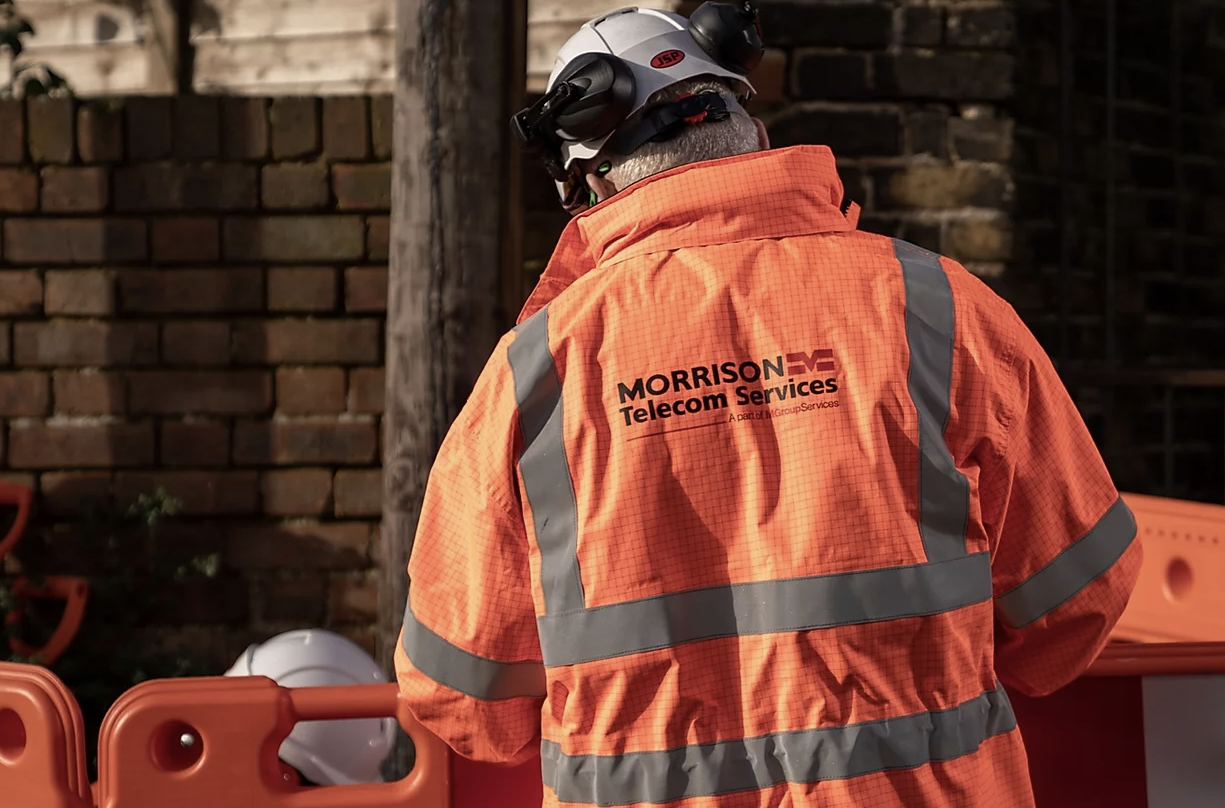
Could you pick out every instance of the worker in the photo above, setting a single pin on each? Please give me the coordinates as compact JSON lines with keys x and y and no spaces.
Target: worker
{"x":751,"y":507}
{"x":323,"y":753}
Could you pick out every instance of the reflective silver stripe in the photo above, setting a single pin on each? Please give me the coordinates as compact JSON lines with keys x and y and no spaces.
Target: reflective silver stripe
{"x":467,"y":673}
{"x":1072,"y":570}
{"x":944,"y":492}
{"x":546,"y":473}
{"x":806,"y":756}
{"x":798,"y":604}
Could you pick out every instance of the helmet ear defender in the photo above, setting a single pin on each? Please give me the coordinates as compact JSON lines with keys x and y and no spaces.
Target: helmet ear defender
{"x":596,"y":92}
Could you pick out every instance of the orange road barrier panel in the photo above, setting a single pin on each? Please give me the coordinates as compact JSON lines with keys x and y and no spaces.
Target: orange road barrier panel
{"x":73,"y":591}
{"x":1180,"y":595}
{"x":42,"y":741}
{"x":1144,"y":728}
{"x":20,"y":498}
{"x":213,"y":741}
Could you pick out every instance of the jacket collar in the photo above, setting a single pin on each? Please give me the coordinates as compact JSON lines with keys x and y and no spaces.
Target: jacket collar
{"x":763,"y":195}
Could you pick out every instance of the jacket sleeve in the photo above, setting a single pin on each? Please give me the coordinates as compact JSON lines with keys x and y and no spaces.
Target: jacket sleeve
{"x":468,"y":661}
{"x":1068,"y":554}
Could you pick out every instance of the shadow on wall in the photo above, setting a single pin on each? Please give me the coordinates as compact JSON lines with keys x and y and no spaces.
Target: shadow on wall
{"x":1117,"y":261}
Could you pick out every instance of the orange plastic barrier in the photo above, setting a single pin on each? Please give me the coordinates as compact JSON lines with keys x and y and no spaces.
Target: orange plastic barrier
{"x":205,"y":742}
{"x":42,"y":753}
{"x":1180,"y":596}
{"x":1145,"y":728}
{"x":70,"y":589}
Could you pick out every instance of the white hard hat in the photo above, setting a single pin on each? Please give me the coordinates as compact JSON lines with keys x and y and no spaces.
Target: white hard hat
{"x":325,"y":752}
{"x":646,"y":40}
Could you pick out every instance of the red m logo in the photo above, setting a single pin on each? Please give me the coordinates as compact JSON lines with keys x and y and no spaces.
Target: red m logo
{"x":799,"y":364}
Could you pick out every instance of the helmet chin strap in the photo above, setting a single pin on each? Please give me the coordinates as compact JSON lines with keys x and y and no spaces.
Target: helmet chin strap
{"x":665,"y":121}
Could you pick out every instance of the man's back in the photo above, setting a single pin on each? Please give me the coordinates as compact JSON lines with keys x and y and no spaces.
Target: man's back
{"x":779,"y":480}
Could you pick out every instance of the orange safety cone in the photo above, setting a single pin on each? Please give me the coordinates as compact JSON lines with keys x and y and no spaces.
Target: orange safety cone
{"x":204,"y":742}
{"x":42,"y":752}
{"x":1145,"y":728}
{"x":1180,"y":595}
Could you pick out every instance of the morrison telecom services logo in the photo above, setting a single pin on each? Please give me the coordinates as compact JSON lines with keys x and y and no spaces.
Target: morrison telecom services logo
{"x":788,"y":384}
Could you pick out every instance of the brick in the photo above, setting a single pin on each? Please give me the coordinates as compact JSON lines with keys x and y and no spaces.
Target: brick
{"x":367,"y":391}
{"x":981,"y":27}
{"x":73,"y":493}
{"x":301,"y":289}
{"x":88,"y":392}
{"x":74,"y":241}
{"x":359,"y":492}
{"x":362,"y":187}
{"x":36,"y":445}
{"x":196,"y":342}
{"x":83,"y":292}
{"x":378,"y":238}
{"x":149,"y":131}
{"x":186,"y":240}
{"x":307,"y":342}
{"x":18,"y":190}
{"x":173,"y":186}
{"x":935,"y":187}
{"x":979,"y":240}
{"x":297,"y":492}
{"x":75,"y":190}
{"x":833,"y":26}
{"x":293,"y":238}
{"x":191,"y":291}
{"x":346,"y":129}
{"x":295,"y":127}
{"x":24,"y":394}
{"x":310,"y":391}
{"x":232,"y":392}
{"x":12,"y":131}
{"x":21,"y":292}
{"x":290,"y":186}
{"x":52,"y":133}
{"x":382,"y":115}
{"x":298,"y":600}
{"x":305,"y":442}
{"x":328,"y":546}
{"x":922,"y":26}
{"x":83,"y":343}
{"x":6,"y":344}
{"x":100,"y":132}
{"x":979,"y":137}
{"x":244,"y":128}
{"x":850,"y":133}
{"x":202,"y":493}
{"x":197,"y":443}
{"x":922,"y":234}
{"x":830,"y":75}
{"x":197,"y":127}
{"x":945,"y":76}
{"x":366,"y":289}
{"x":354,"y":598}
{"x":927,"y":132}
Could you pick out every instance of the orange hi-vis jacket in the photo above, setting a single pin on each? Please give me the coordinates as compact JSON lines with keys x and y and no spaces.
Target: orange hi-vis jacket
{"x":753,"y":508}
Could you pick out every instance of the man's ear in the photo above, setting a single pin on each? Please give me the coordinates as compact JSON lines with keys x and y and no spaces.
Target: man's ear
{"x":763,"y":137}
{"x":602,"y":187}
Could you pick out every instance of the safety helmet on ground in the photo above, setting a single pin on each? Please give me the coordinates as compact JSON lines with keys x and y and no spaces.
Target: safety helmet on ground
{"x":325,"y":752}
{"x":607,"y":71}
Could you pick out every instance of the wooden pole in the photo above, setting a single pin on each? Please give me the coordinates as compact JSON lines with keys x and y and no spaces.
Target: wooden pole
{"x":453,"y":165}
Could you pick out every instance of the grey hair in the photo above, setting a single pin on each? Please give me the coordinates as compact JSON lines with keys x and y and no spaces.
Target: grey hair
{"x":707,"y":141}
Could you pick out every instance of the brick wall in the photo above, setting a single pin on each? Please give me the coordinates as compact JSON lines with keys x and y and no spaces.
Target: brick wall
{"x":1168,"y":170}
{"x":192,"y":295}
